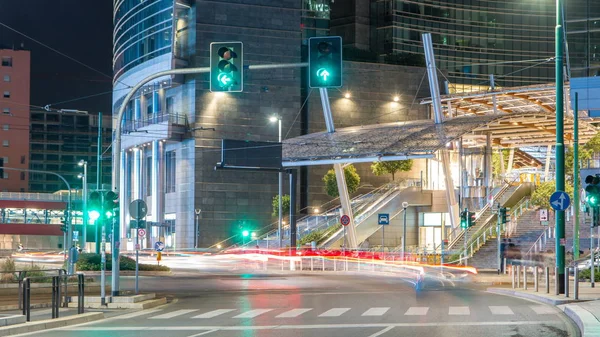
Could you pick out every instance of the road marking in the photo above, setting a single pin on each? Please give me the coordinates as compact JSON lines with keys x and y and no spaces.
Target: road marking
{"x":308,"y":326}
{"x":459,"y":311}
{"x":335,"y":312}
{"x":174,"y":314}
{"x":252,"y":313}
{"x":542,"y":309}
{"x":203,"y":333}
{"x":138,"y":313}
{"x":416,"y":311}
{"x":379,"y":333}
{"x":375,"y":312}
{"x":293,"y":313}
{"x":500,"y":310}
{"x":214,"y":313}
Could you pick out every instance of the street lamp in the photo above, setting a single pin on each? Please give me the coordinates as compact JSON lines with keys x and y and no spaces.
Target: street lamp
{"x":277,"y":119}
{"x":85,"y":196}
{"x":404,"y":207}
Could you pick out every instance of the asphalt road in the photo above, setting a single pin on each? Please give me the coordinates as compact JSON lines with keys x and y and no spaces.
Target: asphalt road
{"x":323,"y":305}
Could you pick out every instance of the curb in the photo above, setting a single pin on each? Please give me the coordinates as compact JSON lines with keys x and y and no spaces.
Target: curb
{"x":50,"y":323}
{"x":534,"y":297}
{"x":586,"y":322}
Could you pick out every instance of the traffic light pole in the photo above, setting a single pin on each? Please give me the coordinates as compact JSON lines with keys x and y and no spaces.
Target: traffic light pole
{"x":498,"y":225}
{"x":99,"y":180}
{"x":576,"y":179}
{"x":560,"y":149}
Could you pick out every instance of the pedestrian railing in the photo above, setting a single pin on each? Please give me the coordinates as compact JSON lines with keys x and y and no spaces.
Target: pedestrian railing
{"x":58,"y":294}
{"x":18,"y":276}
{"x":540,"y":243}
{"x":533,"y":268}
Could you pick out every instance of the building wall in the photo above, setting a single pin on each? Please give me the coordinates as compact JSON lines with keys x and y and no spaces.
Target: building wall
{"x":271,"y":33}
{"x":14,"y":117}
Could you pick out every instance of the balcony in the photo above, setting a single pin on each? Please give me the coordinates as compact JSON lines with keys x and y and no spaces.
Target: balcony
{"x":169,"y":126}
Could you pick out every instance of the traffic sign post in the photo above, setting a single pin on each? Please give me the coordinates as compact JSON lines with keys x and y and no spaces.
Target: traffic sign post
{"x":345,"y":221}
{"x":560,"y":200}
{"x":159,"y":246}
{"x":138,"y":210}
{"x":383,"y":219}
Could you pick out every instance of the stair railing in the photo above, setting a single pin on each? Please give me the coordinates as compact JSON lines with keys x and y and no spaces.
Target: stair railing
{"x":540,"y":243}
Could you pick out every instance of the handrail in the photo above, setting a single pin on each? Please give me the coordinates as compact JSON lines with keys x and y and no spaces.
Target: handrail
{"x":541,"y":240}
{"x":481,"y":236}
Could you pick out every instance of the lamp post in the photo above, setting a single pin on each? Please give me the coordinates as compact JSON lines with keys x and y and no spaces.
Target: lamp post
{"x":278,"y":120}
{"x":404,"y":207}
{"x":85,"y":196}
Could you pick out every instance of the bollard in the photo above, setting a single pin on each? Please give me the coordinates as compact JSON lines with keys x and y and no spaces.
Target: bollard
{"x":53,"y":296}
{"x":547,"y":279}
{"x":346,"y":264}
{"x":556,"y":290}
{"x":518,"y":276}
{"x":27,"y":299}
{"x":505,"y":272}
{"x":576,"y":283}
{"x":311,"y":264}
{"x":566,"y":281}
{"x":301,"y":269}
{"x":323,"y":259}
{"x":535,"y":278}
{"x":80,"y":293}
{"x":512,"y":275}
{"x":334,"y":264}
{"x":525,"y":277}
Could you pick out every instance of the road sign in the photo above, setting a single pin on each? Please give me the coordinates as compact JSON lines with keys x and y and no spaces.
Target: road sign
{"x":141,"y":232}
{"x":138,"y":209}
{"x":543,"y":215}
{"x":345,"y":220}
{"x":560,"y":200}
{"x":159,"y":246}
{"x":383,"y":219}
{"x":75,"y":235}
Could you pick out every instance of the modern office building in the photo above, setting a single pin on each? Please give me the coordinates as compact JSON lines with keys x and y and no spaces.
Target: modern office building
{"x":14,"y":118}
{"x":174,"y":125}
{"x":59,"y":140}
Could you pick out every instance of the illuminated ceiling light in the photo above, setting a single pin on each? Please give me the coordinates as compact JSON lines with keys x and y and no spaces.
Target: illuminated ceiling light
{"x":347,"y":94}
{"x":316,"y":210}
{"x":515,"y":123}
{"x":396,"y":98}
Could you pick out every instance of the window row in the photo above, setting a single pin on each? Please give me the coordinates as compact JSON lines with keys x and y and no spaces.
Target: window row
{"x":21,"y":174}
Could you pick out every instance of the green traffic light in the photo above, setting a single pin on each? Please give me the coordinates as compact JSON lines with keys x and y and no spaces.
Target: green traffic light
{"x":592,"y":200}
{"x":245,"y":233}
{"x":94,"y":215}
{"x":224,"y":79}
{"x":109,"y":214}
{"x":323,"y":74}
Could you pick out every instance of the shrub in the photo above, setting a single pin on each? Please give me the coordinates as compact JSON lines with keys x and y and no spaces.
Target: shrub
{"x":8,"y":265}
{"x":93,"y":262}
{"x":586,"y":274}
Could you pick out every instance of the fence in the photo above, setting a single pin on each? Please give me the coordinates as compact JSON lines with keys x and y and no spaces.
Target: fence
{"x":521,"y":266}
{"x":18,"y":276}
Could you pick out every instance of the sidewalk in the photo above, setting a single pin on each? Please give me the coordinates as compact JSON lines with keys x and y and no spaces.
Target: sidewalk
{"x":585,"y":311}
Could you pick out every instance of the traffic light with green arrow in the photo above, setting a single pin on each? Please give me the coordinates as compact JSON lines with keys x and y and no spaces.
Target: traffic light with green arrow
{"x":94,"y":206}
{"x":226,"y":66}
{"x":325,"y":62}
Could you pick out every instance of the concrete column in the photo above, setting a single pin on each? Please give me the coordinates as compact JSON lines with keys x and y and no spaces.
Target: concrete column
{"x":488,"y":163}
{"x":502,"y":166}
{"x":511,"y":157}
{"x":124,"y":201}
{"x":158,"y":180}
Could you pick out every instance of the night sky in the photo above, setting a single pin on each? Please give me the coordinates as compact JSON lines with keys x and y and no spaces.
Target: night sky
{"x":80,"y":29}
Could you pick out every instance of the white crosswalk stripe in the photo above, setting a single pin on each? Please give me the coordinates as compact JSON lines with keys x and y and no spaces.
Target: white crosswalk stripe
{"x":417,"y":311}
{"x":293,"y":313}
{"x":501,"y":310}
{"x":214,"y":313}
{"x":138,"y":313}
{"x":458,"y":311}
{"x":375,"y":312}
{"x":252,"y":313}
{"x":335,"y":312}
{"x":174,"y":314}
{"x":542,"y":309}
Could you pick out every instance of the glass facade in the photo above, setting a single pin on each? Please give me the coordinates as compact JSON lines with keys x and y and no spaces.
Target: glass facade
{"x":583,"y":37}
{"x":143,"y":30}
{"x":315,"y":18}
{"x":472,"y":38}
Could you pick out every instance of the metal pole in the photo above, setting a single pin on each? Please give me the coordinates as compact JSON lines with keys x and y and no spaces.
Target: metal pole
{"x":85,"y":198}
{"x":576,"y":179}
{"x":382,"y":238}
{"x":560,"y":150}
{"x":512,"y":275}
{"x":566,"y":281}
{"x":525,"y":277}
{"x":137,"y":265}
{"x":404,"y":205}
{"x":518,"y":276}
{"x":557,"y":276}
{"x":103,"y":266}
{"x":576,"y":283}
{"x":535,"y":278}
{"x":547,"y":279}
{"x":592,"y":258}
{"x":280,"y":191}
{"x":499,"y":251}
{"x":99,"y":177}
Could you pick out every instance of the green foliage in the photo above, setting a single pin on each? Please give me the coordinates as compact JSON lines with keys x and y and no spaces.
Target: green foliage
{"x":352,"y":181}
{"x":496,"y":164}
{"x":406,"y":59}
{"x":8,"y":265}
{"x":285,"y":205}
{"x":586,"y":274}
{"x":93,"y":262}
{"x":541,"y":195}
{"x":384,"y":167}
{"x":320,"y":235}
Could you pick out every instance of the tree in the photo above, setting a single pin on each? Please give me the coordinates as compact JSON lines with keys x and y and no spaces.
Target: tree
{"x":285,"y":204}
{"x":384,"y":167}
{"x":541,"y":195}
{"x":496,"y":164}
{"x":352,"y":181}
